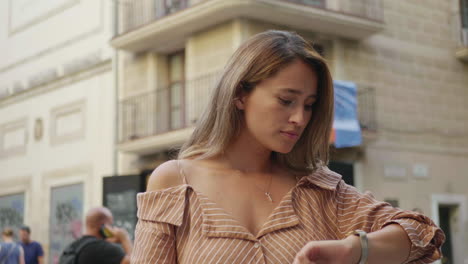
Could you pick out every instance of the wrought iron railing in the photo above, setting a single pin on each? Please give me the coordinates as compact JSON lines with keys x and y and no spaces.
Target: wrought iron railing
{"x":367,"y":108}
{"x":136,"y":13}
{"x":160,"y":111}
{"x":164,"y":109}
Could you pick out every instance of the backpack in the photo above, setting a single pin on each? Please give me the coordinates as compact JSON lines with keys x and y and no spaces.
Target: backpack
{"x":5,"y":257}
{"x":70,"y":254}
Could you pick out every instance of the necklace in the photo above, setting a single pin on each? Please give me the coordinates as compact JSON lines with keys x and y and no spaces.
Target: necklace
{"x":267,"y":191}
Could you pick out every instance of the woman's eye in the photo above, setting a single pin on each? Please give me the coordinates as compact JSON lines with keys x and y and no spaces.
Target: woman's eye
{"x":285,"y":101}
{"x":308,"y":107}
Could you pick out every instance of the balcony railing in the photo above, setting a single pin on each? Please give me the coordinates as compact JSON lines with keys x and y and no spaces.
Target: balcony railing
{"x":158,"y":112}
{"x":367,"y":108}
{"x":136,"y":13}
{"x":164,"y":109}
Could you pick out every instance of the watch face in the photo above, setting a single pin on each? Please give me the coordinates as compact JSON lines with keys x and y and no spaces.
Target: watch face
{"x":38,"y":129}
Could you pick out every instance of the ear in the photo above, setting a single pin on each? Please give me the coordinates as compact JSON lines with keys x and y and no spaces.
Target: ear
{"x":241,"y":97}
{"x":239,"y":102}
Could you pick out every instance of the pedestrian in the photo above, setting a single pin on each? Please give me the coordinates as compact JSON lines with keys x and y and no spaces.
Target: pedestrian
{"x":101,"y":243}
{"x":10,"y":251}
{"x":251,"y":184}
{"x":33,"y":253}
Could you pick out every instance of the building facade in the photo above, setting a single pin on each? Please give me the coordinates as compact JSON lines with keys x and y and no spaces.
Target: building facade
{"x":75,"y":107}
{"x":57,"y":115}
{"x":408,"y":59}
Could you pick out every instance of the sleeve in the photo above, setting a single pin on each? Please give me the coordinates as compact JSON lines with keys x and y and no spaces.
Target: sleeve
{"x":154,"y":243}
{"x":159,"y":215}
{"x":40,"y":251}
{"x":362,"y":211}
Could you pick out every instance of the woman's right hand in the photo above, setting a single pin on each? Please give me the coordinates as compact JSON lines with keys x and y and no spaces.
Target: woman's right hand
{"x":346,"y":251}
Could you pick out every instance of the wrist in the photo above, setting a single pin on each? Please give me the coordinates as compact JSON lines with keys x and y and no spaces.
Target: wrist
{"x":354,"y":244}
{"x":127,"y":246}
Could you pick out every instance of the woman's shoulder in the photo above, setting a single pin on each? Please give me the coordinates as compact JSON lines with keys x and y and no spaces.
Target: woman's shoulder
{"x":164,"y":199}
{"x":165,"y":176}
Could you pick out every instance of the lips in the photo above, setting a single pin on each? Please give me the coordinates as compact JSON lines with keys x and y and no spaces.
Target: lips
{"x":290,"y":134}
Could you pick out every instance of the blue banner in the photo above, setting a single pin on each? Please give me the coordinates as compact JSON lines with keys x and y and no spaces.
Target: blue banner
{"x":346,"y":124}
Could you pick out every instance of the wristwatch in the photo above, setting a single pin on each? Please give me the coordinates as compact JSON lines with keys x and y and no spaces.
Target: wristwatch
{"x":364,"y":244}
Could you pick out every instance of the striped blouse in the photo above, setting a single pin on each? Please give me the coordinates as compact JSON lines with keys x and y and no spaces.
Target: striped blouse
{"x":181,"y":225}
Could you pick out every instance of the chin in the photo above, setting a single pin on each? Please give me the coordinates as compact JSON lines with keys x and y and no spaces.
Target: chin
{"x":283,"y":149}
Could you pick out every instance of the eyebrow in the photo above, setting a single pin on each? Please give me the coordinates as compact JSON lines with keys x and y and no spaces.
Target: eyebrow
{"x":293,"y":91}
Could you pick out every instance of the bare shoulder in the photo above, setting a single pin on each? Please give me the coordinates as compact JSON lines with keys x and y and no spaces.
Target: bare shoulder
{"x":165,"y":176}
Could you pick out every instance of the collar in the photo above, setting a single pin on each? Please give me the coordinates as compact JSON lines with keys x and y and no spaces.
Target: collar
{"x":322,"y":177}
{"x":169,"y":205}
{"x":218,"y":223}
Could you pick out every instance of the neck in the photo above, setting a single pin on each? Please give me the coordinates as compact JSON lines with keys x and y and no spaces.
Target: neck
{"x":7,"y":239}
{"x":92,"y":232}
{"x":246,"y":154}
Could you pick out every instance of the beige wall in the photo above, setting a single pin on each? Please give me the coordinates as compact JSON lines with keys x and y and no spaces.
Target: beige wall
{"x":421,"y":93}
{"x":134,"y":74}
{"x":421,"y":87}
{"x":421,"y":90}
{"x":391,"y":173}
{"x":445,"y":174}
{"x":208,"y":51}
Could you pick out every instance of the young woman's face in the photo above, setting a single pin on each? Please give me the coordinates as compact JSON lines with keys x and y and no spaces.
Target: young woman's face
{"x":279,"y":108}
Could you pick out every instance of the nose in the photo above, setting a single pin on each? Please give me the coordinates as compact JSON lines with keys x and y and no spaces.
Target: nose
{"x":298,"y":117}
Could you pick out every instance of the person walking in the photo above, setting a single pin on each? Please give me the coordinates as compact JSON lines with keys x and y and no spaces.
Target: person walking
{"x":33,"y":252}
{"x":10,"y":252}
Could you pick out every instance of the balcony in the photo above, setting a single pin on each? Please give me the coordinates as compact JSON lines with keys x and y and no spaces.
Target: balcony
{"x":160,"y":24}
{"x":162,"y":118}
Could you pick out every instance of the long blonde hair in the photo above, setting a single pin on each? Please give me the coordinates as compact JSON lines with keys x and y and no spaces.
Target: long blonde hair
{"x":257,"y":59}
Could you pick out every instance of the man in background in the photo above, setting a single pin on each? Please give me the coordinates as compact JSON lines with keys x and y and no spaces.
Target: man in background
{"x":33,"y":253}
{"x":101,"y":243}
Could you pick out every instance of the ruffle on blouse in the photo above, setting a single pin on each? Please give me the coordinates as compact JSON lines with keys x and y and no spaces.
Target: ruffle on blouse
{"x":362,"y":211}
{"x":165,"y":206}
{"x":426,"y":238}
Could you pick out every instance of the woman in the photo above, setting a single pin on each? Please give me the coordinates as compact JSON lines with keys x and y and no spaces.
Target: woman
{"x":251,"y":185}
{"x":10,"y":252}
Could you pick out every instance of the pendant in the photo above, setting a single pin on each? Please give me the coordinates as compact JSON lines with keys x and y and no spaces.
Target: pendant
{"x":269,"y":196}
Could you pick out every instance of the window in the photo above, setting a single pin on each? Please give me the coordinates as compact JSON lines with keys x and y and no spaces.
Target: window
{"x":120,"y":197}
{"x":66,"y":217}
{"x":12,"y":211}
{"x":176,"y":90}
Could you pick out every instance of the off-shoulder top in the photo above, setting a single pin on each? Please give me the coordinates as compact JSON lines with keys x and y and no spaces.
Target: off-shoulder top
{"x":181,"y":225}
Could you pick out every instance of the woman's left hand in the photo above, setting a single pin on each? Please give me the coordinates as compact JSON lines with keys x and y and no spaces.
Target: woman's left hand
{"x":346,"y":251}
